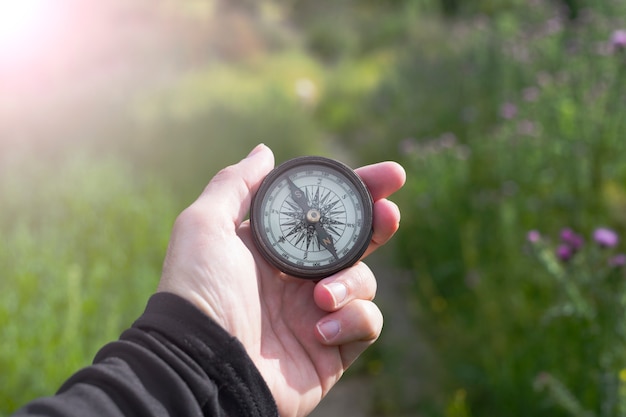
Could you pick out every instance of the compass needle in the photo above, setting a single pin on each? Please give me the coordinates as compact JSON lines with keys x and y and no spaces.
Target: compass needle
{"x":298,"y":196}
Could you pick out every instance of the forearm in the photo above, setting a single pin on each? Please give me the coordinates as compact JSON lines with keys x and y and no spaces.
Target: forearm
{"x":173,"y":361}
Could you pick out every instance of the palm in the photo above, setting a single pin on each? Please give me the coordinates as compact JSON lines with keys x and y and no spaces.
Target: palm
{"x":280,"y":312}
{"x":291,"y":359}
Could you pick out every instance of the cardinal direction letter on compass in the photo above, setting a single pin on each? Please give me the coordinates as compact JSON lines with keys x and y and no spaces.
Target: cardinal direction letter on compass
{"x":326,"y":240}
{"x":298,"y":196}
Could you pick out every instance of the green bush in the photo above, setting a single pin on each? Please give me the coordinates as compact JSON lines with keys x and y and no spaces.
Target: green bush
{"x":212,"y":117}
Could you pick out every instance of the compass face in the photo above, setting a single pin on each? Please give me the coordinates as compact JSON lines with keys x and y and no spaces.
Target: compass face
{"x":312,"y":217}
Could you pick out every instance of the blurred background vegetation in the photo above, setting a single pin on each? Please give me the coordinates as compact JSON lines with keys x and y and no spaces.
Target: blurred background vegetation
{"x":508,"y":116}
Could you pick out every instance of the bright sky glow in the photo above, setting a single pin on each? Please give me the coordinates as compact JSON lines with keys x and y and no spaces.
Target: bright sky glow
{"x":21,"y":21}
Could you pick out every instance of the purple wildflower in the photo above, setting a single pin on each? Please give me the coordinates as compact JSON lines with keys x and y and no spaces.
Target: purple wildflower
{"x":618,"y":260}
{"x":571,"y":239}
{"x":605,"y":237}
{"x":408,"y":146}
{"x":526,"y":127}
{"x":508,"y":110}
{"x":618,"y":40}
{"x":564,"y":252}
{"x":530,"y":94}
{"x":533,"y":236}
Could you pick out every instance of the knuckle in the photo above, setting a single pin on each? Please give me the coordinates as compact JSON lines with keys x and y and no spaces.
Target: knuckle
{"x":224,"y":173}
{"x":376,"y":318}
{"x":372,"y":321}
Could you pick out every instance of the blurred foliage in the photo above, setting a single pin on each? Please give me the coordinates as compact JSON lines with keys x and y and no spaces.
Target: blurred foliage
{"x":505,"y":113}
{"x":506,"y":124}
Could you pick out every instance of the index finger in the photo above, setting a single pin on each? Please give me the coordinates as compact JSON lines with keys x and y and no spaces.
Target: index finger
{"x":383,"y":178}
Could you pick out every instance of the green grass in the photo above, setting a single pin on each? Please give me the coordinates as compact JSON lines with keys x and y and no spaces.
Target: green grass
{"x":81,"y":250}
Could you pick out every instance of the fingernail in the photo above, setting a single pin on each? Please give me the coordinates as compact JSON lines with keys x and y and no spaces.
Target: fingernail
{"x":329,"y":329}
{"x":338,"y":291}
{"x":256,"y":150}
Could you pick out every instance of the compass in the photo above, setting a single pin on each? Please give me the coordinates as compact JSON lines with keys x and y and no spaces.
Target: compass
{"x":312,"y":217}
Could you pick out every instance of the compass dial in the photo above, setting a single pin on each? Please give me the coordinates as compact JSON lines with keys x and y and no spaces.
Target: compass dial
{"x":312,"y":217}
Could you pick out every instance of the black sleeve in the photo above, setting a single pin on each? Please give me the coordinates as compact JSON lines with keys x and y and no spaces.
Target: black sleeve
{"x":173,"y":361}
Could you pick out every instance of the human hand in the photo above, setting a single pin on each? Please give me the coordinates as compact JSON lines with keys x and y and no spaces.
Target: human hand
{"x":301,"y":335}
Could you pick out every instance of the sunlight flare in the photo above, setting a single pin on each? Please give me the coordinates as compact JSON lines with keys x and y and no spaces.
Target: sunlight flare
{"x":20,"y":21}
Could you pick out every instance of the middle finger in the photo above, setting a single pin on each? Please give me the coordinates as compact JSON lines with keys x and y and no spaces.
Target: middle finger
{"x":334,"y":292}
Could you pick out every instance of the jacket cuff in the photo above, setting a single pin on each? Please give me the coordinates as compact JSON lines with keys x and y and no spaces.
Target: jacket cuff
{"x":219,"y":355}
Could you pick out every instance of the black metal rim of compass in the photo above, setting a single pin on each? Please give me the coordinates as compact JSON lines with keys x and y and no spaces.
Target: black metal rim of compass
{"x":318,"y":272}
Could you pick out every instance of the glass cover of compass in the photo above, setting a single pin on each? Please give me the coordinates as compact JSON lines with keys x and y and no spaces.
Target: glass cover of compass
{"x":312,"y":217}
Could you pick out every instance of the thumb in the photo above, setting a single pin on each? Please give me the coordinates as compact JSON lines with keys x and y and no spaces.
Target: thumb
{"x":229,"y":194}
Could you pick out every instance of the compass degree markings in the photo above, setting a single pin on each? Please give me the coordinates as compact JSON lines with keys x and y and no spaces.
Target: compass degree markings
{"x":313,"y":217}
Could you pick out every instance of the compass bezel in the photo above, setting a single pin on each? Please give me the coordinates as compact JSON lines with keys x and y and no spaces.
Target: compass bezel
{"x":263,"y":242}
